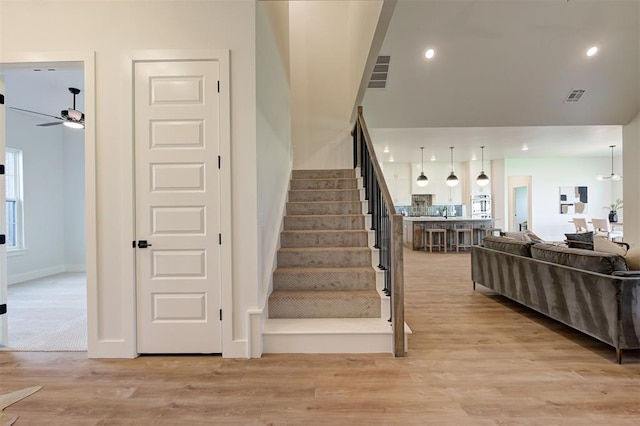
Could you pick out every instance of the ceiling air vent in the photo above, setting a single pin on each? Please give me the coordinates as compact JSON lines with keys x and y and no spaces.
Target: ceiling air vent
{"x":574,"y":96}
{"x":380,"y":72}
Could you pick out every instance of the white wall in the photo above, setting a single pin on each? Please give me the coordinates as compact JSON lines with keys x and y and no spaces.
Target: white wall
{"x":273,"y":137}
{"x":44,"y":201}
{"x":330,"y":42}
{"x":547,"y":176}
{"x":74,"y":223}
{"x":113,"y":30}
{"x":631,"y":178}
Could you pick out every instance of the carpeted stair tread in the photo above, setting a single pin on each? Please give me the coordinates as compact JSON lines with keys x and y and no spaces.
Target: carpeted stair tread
{"x":302,"y":195}
{"x":322,"y":173}
{"x":324,"y":256}
{"x":324,"y":304}
{"x":323,"y":207}
{"x":324,"y":238}
{"x":324,"y":279}
{"x":324,"y":222}
{"x":329,"y":183}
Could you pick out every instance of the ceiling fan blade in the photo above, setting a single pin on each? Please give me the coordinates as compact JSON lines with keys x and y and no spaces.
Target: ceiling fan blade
{"x":54,"y":123}
{"x":39,"y":113}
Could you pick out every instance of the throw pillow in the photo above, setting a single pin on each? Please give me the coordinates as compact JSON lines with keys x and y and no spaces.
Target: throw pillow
{"x":533,"y":237}
{"x":518,"y":236}
{"x":606,"y":246}
{"x":633,"y":259}
{"x":581,"y":240}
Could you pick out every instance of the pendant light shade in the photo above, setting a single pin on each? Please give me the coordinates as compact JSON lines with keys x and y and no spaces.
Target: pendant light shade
{"x":422,"y":179}
{"x":482,"y":179}
{"x":452,"y":179}
{"x":612,"y":176}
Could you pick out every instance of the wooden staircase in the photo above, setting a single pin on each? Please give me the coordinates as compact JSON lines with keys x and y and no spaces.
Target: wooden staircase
{"x":327,"y":296}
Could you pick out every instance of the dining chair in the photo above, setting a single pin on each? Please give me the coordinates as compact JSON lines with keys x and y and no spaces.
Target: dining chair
{"x":581,"y":224}
{"x":602,"y":227}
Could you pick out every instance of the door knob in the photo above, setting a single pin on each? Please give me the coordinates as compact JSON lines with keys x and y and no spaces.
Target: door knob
{"x":143,"y":244}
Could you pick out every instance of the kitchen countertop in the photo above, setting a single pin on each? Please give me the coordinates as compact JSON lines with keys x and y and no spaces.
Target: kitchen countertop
{"x":441,"y":218}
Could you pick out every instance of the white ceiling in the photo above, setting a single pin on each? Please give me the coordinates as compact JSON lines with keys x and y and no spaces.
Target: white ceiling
{"x":500,"y":75}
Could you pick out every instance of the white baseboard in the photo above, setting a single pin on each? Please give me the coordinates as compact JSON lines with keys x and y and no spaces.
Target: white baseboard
{"x":75,"y":268}
{"x":34,"y":275}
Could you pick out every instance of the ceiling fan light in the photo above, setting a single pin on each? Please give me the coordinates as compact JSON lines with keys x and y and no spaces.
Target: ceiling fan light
{"x":422,"y":180}
{"x":73,"y":124}
{"x":616,"y":177}
{"x":452,"y":179}
{"x":600,"y":178}
{"x":482,"y":179}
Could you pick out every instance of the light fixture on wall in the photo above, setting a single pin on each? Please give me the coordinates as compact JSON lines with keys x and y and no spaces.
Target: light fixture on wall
{"x":422,"y":179}
{"x":612,"y":176}
{"x":482,"y":179}
{"x":452,"y":179}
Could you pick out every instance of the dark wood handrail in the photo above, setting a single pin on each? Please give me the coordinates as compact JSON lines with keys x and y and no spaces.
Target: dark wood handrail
{"x":387,"y":224}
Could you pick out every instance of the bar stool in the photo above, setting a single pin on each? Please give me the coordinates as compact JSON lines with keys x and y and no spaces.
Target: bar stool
{"x":428,"y":238}
{"x":463,"y":231}
{"x":482,"y":231}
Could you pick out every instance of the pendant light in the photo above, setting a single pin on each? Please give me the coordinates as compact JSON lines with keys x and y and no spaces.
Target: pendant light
{"x":452,"y":179}
{"x":422,"y":179}
{"x":612,"y":176}
{"x":482,"y":179}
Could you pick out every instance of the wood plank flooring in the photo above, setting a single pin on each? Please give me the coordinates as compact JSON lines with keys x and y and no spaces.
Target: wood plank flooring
{"x":474,"y":358}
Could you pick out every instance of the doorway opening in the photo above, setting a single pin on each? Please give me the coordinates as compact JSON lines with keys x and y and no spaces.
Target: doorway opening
{"x":46,"y":251}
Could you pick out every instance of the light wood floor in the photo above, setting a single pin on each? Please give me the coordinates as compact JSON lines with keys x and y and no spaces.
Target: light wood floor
{"x":474,"y":358}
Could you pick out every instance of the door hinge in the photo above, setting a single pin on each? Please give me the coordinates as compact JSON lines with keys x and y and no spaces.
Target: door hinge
{"x":133,"y":244}
{"x":218,"y":86}
{"x":3,"y":309}
{"x":219,"y":161}
{"x":220,"y":239}
{"x":3,"y":239}
{"x":1,"y":169}
{"x":220,"y":314}
{"x":2,"y":96}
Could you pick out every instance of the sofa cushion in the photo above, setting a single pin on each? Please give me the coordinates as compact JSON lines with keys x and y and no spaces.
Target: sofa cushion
{"x":508,"y":245}
{"x":581,"y":240}
{"x":588,"y":260}
{"x":530,"y":236}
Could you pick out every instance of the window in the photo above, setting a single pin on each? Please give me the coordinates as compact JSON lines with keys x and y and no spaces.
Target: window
{"x":13,"y":174}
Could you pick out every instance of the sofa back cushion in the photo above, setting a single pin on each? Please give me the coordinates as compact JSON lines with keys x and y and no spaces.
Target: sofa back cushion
{"x":581,"y":240}
{"x":588,"y":260}
{"x":508,"y":245}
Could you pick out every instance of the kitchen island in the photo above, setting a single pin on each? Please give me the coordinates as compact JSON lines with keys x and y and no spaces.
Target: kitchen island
{"x":413,"y":228}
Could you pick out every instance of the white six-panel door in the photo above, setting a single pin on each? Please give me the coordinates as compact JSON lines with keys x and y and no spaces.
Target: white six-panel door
{"x":177,"y":207}
{"x":4,"y":327}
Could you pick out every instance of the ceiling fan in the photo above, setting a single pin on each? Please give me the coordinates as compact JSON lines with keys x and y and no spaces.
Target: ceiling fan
{"x":70,"y":117}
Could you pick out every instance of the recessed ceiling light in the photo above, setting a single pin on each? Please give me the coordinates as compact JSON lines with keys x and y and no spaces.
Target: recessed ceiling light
{"x":592,"y":51}
{"x":430,"y":53}
{"x":525,"y":147}
{"x":433,"y":158}
{"x":386,"y":149}
{"x":391,"y":159}
{"x":473,"y":157}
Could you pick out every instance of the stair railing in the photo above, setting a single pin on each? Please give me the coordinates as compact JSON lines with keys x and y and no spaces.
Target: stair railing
{"x":387,"y":225}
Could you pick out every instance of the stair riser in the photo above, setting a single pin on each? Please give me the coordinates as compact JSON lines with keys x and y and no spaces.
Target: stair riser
{"x":324,"y":208}
{"x":324,"y":281}
{"x":323,"y":223}
{"x":353,"y":307}
{"x":323,"y":174}
{"x":327,"y":259}
{"x":298,"y":184}
{"x":324,"y":239}
{"x":324,"y":195}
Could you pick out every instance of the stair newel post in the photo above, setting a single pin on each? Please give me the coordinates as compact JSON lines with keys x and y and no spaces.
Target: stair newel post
{"x":397,"y":295}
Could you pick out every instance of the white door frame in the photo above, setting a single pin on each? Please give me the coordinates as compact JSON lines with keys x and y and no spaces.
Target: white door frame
{"x":514,"y":182}
{"x":230,"y":348}
{"x":86,"y":59}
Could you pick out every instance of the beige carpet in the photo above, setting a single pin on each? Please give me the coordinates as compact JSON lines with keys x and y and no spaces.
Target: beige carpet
{"x":48,"y":314}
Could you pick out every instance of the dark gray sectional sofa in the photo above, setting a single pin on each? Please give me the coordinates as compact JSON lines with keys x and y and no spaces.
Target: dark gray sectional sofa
{"x":590,"y":291}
